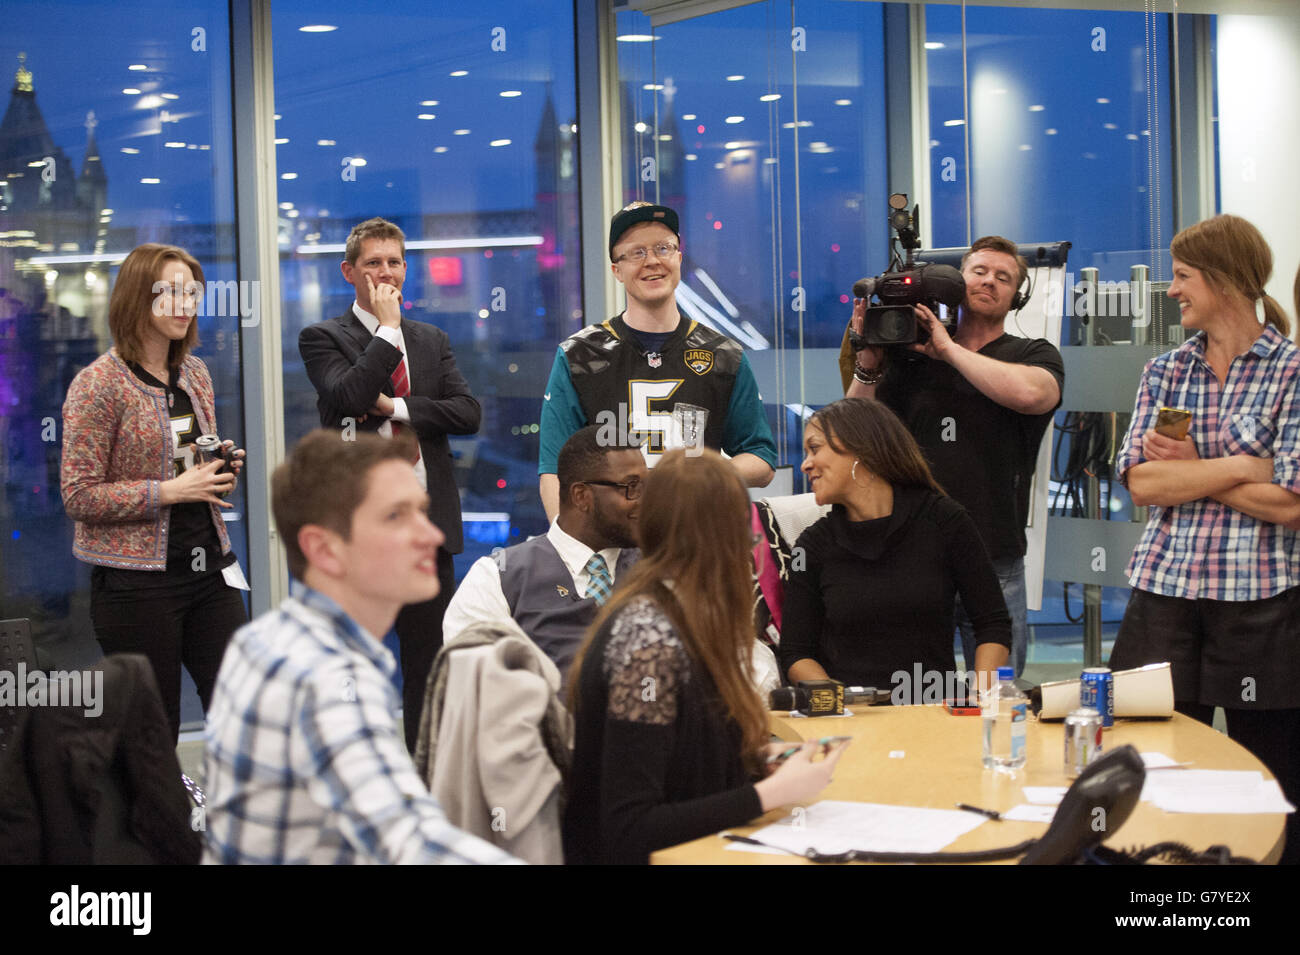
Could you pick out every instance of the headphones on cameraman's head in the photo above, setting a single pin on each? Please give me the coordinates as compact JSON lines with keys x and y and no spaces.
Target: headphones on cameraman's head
{"x":1024,"y":293}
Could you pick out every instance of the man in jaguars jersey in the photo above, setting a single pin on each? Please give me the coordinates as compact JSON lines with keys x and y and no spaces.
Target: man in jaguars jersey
{"x":650,"y":373}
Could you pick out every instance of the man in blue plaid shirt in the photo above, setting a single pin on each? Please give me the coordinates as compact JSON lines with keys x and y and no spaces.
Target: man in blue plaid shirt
{"x":305,"y":763}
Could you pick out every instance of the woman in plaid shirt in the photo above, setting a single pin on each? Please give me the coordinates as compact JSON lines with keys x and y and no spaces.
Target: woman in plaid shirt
{"x":1216,"y":576}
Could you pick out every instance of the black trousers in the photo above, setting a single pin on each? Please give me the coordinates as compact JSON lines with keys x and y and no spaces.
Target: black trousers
{"x":419,"y":637}
{"x":189,"y":623}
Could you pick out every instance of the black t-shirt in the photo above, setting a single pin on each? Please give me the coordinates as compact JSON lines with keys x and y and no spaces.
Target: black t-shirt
{"x":193,"y":547}
{"x":982,"y":453}
{"x":871,"y":598}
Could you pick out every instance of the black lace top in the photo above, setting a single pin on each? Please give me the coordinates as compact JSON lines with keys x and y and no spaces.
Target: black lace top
{"x":657,"y":761}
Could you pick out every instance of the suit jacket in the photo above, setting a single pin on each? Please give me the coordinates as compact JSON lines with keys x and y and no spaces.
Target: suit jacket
{"x":349,"y":367}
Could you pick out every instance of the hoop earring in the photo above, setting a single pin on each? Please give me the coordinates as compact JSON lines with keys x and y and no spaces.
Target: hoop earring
{"x":853,"y":474}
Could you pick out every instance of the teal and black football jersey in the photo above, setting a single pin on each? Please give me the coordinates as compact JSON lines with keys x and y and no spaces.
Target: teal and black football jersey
{"x":699,"y":383}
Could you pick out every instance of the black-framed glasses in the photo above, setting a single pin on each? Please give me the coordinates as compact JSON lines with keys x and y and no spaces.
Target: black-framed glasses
{"x":631,"y":489}
{"x":661,"y":250}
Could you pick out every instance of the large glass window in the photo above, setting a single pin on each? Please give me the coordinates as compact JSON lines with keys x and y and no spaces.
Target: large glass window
{"x":764,"y":126}
{"x":116,"y":131}
{"x":1069,"y":137}
{"x":459,"y":124}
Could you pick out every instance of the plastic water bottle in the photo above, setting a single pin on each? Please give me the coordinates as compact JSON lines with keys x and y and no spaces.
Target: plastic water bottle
{"x":1004,"y":710}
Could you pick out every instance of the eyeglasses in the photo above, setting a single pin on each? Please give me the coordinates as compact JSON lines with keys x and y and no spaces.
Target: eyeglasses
{"x":661,"y":251}
{"x":631,"y":489}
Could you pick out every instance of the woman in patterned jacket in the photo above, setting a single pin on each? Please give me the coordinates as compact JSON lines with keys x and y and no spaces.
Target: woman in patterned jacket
{"x":165,"y":582}
{"x":669,"y":733}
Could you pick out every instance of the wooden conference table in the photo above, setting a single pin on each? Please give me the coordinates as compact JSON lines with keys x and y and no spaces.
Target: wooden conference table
{"x":940,"y":765}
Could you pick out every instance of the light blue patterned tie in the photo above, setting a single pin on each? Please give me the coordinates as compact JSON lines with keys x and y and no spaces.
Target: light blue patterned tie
{"x":599,"y":583}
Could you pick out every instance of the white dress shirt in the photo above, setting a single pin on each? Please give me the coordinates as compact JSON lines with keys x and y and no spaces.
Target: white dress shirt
{"x":400,"y":412}
{"x":479,"y":598}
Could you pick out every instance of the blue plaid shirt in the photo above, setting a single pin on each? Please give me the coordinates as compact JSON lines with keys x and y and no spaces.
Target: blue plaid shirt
{"x":1204,"y":549}
{"x":304,"y":760}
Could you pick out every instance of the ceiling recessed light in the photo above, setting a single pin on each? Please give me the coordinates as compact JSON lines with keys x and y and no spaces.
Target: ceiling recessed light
{"x":325,"y":142}
{"x":511,"y":94}
{"x":174,"y":145}
{"x":769,"y":161}
{"x":688,"y":116}
{"x":288,"y":175}
{"x":286,"y":205}
{"x":427,"y":116}
{"x":1050,"y":132}
{"x":170,"y":96}
{"x":130,"y":150}
{"x":460,"y":132}
{"x":801,"y":124}
{"x":439,"y":149}
{"x":954,"y":122}
{"x":933,"y":45}
{"x":769,"y":97}
{"x":690,"y":157}
{"x":499,"y":142}
{"x":1109,"y":126}
{"x":131,"y":91}
{"x":150,"y":181}
{"x":733,"y":120}
{"x":640,"y":127}
{"x":137,"y":67}
{"x":428,"y":102}
{"x":653,"y":86}
{"x":636,"y":38}
{"x":1103,"y":101}
{"x":317,"y":28}
{"x":357,"y":161}
{"x":1037,"y":108}
{"x":282,"y":140}
{"x":844,"y":102}
{"x":1132,"y":136}
{"x":735,"y":77}
{"x":459,"y":73}
{"x":665,"y":137}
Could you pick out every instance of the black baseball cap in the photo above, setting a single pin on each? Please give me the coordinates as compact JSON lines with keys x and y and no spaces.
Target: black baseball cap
{"x":624,"y":219}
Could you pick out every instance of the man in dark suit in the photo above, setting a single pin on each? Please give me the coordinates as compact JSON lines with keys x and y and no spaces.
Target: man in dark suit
{"x":375,"y":372}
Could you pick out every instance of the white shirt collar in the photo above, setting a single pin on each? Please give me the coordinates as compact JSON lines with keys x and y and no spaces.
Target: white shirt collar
{"x":575,"y":554}
{"x":367,"y":319}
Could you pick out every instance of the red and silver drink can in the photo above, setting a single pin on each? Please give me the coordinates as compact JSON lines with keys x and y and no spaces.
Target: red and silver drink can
{"x":1082,"y":740}
{"x":1097,"y":691}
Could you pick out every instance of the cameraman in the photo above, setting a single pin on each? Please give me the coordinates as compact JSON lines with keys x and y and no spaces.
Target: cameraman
{"x":978,"y":403}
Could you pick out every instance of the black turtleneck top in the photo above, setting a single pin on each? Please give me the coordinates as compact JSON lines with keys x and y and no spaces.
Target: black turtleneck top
{"x":870,"y":598}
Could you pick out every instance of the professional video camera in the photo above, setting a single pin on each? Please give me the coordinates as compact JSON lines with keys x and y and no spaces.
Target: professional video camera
{"x":891,"y":321}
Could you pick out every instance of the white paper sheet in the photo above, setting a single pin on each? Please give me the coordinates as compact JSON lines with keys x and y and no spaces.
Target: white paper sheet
{"x":1030,"y":813}
{"x":1214,"y":790}
{"x":836,"y":826}
{"x":1045,"y":795}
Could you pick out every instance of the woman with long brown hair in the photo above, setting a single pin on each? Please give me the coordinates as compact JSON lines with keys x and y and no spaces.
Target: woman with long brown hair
{"x":871,"y":594}
{"x":670,"y":737}
{"x":1216,"y":575}
{"x":147,"y":511}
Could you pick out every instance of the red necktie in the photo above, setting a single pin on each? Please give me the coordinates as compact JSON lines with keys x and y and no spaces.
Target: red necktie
{"x":401,"y":380}
{"x":401,"y":388}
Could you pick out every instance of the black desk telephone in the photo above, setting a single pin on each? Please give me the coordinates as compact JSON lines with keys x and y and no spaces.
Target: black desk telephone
{"x":1096,"y":805}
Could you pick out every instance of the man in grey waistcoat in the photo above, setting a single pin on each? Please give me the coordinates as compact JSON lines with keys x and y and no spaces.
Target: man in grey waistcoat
{"x":552,"y":586}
